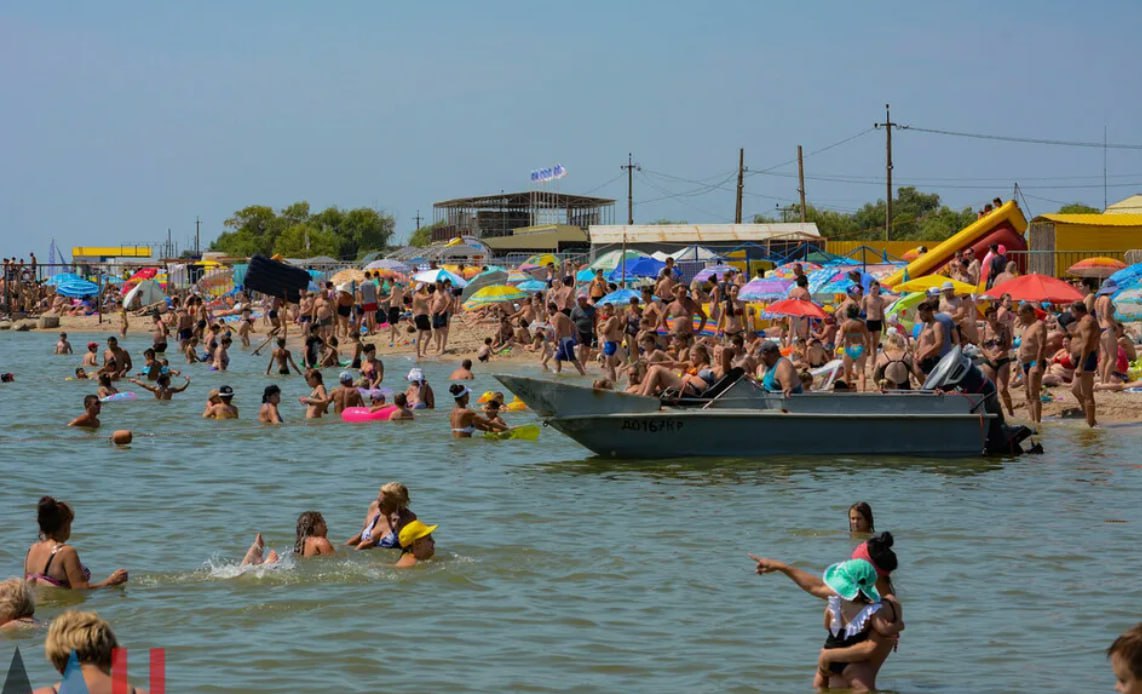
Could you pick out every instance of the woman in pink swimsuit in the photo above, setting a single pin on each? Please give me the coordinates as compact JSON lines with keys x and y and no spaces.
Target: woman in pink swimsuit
{"x":51,"y":561}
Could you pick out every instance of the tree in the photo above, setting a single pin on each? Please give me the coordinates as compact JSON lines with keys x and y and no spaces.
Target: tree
{"x":334,"y":232}
{"x":1078,"y":208}
{"x":669,"y":221}
{"x":423,"y":236}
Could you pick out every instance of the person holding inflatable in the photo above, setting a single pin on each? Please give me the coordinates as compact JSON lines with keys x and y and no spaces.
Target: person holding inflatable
{"x":464,"y":421}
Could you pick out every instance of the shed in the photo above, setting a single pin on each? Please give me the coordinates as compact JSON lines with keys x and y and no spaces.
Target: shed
{"x":1058,"y":241}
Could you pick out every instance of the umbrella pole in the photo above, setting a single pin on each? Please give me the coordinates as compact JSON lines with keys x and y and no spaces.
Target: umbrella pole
{"x":623,"y":260}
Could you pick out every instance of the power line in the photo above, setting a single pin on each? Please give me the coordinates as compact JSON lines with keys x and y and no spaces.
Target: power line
{"x":670,"y":196}
{"x":1025,"y":140}
{"x":602,"y":185}
{"x":826,"y":148}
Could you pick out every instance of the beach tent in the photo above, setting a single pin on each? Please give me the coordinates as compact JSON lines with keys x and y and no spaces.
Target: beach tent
{"x":144,"y":293}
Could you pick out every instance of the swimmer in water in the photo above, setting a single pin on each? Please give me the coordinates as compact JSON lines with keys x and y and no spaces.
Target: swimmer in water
{"x":1125,"y":656}
{"x":162,"y":388}
{"x":61,"y":567}
{"x":91,"y":358}
{"x":17,"y":605}
{"x":80,"y":374}
{"x":90,"y":417}
{"x":268,"y":413}
{"x":317,"y":402}
{"x":222,"y":408}
{"x":860,"y":519}
{"x":63,"y":346}
{"x":403,"y":412}
{"x":284,"y":359}
{"x":464,"y":421}
{"x":464,"y":373}
{"x":312,"y":541}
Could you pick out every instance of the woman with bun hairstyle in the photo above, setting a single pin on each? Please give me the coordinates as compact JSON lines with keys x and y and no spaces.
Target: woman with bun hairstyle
{"x":52,"y":562}
{"x":855,"y":665}
{"x":464,"y":421}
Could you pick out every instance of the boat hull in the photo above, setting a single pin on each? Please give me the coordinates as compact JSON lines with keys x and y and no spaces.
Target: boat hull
{"x":761,"y":433}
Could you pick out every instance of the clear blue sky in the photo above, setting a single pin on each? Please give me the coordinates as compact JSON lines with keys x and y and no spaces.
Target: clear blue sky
{"x":121,"y":119}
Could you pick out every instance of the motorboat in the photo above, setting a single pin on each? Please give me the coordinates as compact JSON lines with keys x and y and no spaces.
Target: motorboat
{"x":955,"y":414}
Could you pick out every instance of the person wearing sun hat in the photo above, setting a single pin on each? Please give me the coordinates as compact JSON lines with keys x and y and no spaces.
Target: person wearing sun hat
{"x":219,"y":405}
{"x":416,"y":543}
{"x":864,"y":631}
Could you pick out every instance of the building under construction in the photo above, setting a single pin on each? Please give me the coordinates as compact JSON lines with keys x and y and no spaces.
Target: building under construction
{"x":495,"y":219}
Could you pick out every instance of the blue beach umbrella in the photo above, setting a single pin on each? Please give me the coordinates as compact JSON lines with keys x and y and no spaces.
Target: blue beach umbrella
{"x":531,"y":286}
{"x":63,"y":277}
{"x":643,"y":267}
{"x":619,"y":297}
{"x":77,"y":288}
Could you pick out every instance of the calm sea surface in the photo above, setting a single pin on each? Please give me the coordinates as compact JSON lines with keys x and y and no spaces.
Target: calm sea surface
{"x":555,"y":571}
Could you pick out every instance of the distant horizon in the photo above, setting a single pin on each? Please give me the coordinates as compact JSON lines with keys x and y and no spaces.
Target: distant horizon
{"x":132,"y":118}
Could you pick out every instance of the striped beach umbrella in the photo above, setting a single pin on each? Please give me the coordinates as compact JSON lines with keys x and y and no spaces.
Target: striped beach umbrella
{"x":495,"y":294}
{"x":1100,"y":266}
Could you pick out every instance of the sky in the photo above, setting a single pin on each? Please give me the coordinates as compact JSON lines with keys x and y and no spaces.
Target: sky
{"x":121,"y":120}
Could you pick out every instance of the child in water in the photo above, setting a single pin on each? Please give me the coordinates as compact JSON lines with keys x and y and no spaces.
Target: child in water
{"x":312,"y":541}
{"x":269,"y":414}
{"x":63,"y":346}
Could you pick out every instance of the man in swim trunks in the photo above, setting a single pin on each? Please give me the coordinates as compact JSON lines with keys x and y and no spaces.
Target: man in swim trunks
{"x":284,"y":359}
{"x":345,"y":302}
{"x":395,"y":308}
{"x":1033,"y":358}
{"x":1086,"y":343}
{"x":63,"y":346}
{"x":664,"y":287}
{"x":90,"y":417}
{"x":367,"y":296}
{"x":323,"y":316}
{"x":935,"y":339}
{"x":420,"y":307}
{"x":679,"y":316}
{"x":873,"y":306}
{"x":611,"y":333}
{"x":441,"y":309}
{"x":583,"y":316}
{"x":564,"y":330}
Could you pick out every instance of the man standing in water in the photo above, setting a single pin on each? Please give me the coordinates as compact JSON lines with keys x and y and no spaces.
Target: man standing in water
{"x":1032,"y":357}
{"x":420,"y":301}
{"x":565,"y":331}
{"x":1086,"y":337}
{"x":119,"y":356}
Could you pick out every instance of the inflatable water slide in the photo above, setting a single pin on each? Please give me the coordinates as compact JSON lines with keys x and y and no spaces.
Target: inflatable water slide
{"x":1004,"y":225}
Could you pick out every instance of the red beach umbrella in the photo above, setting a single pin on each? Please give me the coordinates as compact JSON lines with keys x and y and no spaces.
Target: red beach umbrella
{"x":795,"y":307}
{"x":1036,"y":288}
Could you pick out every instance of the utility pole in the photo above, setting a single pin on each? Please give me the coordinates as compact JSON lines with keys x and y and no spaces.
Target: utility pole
{"x":630,"y":167}
{"x":888,"y":125}
{"x":170,"y":246}
{"x":418,"y":219}
{"x":801,"y":181}
{"x":741,"y":185}
{"x":197,"y":248}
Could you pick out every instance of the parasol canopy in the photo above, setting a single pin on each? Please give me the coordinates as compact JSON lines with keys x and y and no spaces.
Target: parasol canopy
{"x":389,"y":264}
{"x":719,"y":270}
{"x":494,"y":294}
{"x":768,"y":289}
{"x":532,"y":286}
{"x":440,"y":275}
{"x":923,"y":284}
{"x":795,"y":307}
{"x":619,"y":297}
{"x":1036,"y":288}
{"x":1100,"y":266}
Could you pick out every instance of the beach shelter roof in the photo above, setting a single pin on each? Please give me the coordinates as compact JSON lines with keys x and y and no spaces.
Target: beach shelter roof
{"x":694,"y":253}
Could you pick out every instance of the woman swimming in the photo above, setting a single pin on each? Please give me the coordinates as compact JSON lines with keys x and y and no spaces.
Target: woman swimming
{"x":60,"y":563}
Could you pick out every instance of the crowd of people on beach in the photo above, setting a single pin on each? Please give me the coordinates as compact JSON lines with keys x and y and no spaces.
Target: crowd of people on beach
{"x":672,"y":340}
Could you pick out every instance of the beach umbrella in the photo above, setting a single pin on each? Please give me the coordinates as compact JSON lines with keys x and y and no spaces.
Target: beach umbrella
{"x":532,"y":286}
{"x":585,"y":275}
{"x":770,"y":289}
{"x":642,"y":267}
{"x":1128,"y":275}
{"x":619,"y":297}
{"x":611,"y":259}
{"x":1100,"y":266}
{"x":786,"y":271}
{"x":543,"y":259}
{"x":795,"y":307}
{"x":350,"y":274}
{"x":389,"y":264}
{"x":719,"y":270}
{"x":485,"y":279}
{"x":75,"y":288}
{"x":923,"y":284}
{"x":1128,"y":304}
{"x":494,"y":294}
{"x":62,"y":277}
{"x":439,"y":275}
{"x":1036,"y":288}
{"x":517,"y":276}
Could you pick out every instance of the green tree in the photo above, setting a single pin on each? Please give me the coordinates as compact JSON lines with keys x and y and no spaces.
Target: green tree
{"x":1078,"y":208}
{"x":669,"y":221}
{"x":423,"y":236}
{"x":306,"y":240}
{"x":334,"y":232}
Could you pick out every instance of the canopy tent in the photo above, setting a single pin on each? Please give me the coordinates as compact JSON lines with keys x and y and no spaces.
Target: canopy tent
{"x":144,"y":293}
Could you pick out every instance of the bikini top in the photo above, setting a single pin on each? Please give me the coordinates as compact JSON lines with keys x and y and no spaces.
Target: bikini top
{"x":50,"y":580}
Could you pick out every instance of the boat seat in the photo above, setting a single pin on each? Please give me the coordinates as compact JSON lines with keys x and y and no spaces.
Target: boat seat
{"x":671,"y":396}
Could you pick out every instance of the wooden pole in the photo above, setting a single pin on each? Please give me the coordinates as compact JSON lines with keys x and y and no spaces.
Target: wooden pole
{"x":741,"y":186}
{"x":800,"y":180}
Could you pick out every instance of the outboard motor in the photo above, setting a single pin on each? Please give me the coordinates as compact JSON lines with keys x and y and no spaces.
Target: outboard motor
{"x":957,"y":371}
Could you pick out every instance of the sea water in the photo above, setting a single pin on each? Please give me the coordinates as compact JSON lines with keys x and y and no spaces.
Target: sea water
{"x":555,"y":570}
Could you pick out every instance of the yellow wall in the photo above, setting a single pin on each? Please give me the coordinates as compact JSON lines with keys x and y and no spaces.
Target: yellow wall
{"x":1076,"y":241}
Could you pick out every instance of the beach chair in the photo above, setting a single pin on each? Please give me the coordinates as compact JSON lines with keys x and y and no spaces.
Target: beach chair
{"x":829,"y":371}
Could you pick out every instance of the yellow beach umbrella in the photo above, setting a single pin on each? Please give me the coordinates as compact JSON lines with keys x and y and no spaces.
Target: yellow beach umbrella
{"x":351,"y":274}
{"x":923,"y":284}
{"x":494,"y":294}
